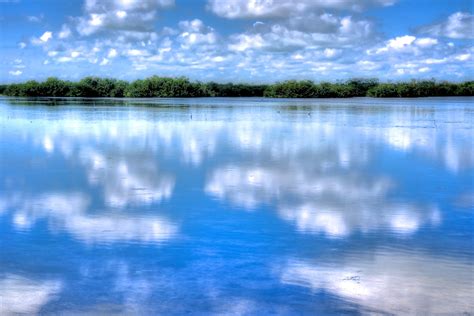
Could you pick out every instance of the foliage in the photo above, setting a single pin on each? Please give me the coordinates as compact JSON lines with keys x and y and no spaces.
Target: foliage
{"x":425,"y":88}
{"x":98,"y":87}
{"x":214,"y":89}
{"x":182,"y":87}
{"x":308,"y":89}
{"x":164,"y":87}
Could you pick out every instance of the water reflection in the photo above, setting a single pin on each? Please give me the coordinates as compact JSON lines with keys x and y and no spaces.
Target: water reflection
{"x":68,"y":212}
{"x":393,"y":282}
{"x":126,"y":178}
{"x":321,"y":183}
{"x":20,"y":295}
{"x":264,"y":206}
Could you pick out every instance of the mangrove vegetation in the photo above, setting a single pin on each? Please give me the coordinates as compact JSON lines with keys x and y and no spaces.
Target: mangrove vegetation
{"x":182,"y":87}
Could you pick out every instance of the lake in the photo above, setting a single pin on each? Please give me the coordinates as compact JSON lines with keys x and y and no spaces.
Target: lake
{"x":237,"y":206}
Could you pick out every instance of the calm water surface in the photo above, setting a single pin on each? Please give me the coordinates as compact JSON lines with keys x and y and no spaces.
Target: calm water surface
{"x":237,"y":207}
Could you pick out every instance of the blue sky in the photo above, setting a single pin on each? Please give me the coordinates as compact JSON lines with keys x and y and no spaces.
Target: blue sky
{"x":237,"y":40}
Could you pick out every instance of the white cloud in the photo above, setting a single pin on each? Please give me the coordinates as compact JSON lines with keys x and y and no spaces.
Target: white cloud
{"x":368,"y":65}
{"x":458,"y":26}
{"x":420,"y":52}
{"x":218,"y":59}
{"x":426,"y":42}
{"x":283,"y":8}
{"x":406,"y":43}
{"x":331,"y":52}
{"x":308,"y":43}
{"x":112,"y":53}
{"x":65,"y":32}
{"x":435,"y":61}
{"x":195,"y":33}
{"x":15,"y":72}
{"x":397,"y":43}
{"x":43,"y":39}
{"x":46,"y":36}
{"x":463,"y":57}
{"x":64,"y":59}
{"x":22,"y":45}
{"x":104,"y":62}
{"x":136,"y":52}
{"x":35,"y":19}
{"x":243,"y":42}
{"x":195,"y":25}
{"x":295,"y":34}
{"x":120,"y":15}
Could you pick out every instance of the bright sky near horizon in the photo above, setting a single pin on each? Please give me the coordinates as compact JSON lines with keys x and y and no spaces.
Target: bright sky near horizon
{"x":237,"y":40}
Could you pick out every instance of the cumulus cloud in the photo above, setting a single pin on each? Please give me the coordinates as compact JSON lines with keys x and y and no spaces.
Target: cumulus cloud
{"x":112,"y":53}
{"x":46,"y":36}
{"x":331,"y":52}
{"x":397,"y":43}
{"x":15,"y":72}
{"x":195,"y":32}
{"x":130,"y":15}
{"x":43,"y":39}
{"x":459,"y":25}
{"x":65,"y":32}
{"x":426,"y":42}
{"x":35,"y":19}
{"x":318,"y":40}
{"x":406,"y":43}
{"x":463,"y":57}
{"x":18,"y":67}
{"x":282,"y":8}
{"x":104,"y":62}
{"x":136,"y":52}
{"x":243,"y":42}
{"x":293,"y":35}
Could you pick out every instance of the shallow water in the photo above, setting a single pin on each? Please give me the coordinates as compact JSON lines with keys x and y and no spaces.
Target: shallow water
{"x":237,"y":206}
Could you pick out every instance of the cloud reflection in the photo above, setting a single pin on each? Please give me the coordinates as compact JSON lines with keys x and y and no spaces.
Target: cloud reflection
{"x":391,"y":282}
{"x":69,"y":212}
{"x":321,"y":200}
{"x":443,"y":136}
{"x":191,"y":141}
{"x":303,"y":160}
{"x":127,"y":179}
{"x":19,"y":295}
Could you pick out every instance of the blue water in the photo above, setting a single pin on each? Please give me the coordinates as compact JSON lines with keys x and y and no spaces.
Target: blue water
{"x":237,"y":206}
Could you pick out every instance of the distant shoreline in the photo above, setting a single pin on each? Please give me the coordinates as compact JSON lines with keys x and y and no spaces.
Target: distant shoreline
{"x":161,"y":87}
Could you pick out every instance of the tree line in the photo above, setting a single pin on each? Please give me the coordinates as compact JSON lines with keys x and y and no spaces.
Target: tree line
{"x":182,"y":87}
